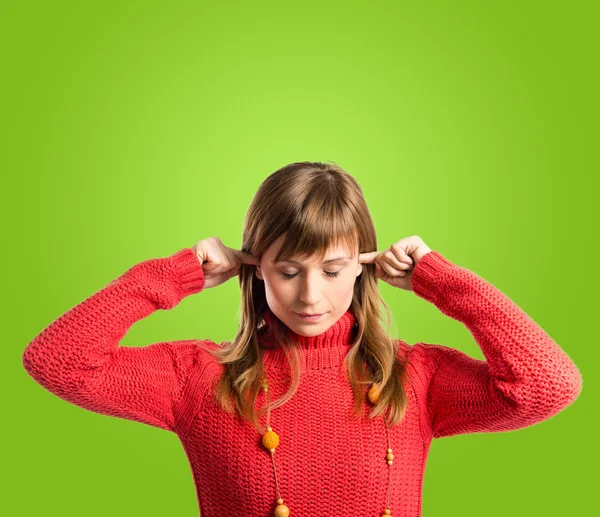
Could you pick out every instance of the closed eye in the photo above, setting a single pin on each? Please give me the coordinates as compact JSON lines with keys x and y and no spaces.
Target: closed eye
{"x":328,"y":273}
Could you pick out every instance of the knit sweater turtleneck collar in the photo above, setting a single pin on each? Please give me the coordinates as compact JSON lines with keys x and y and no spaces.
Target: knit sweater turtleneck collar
{"x":325,"y":350}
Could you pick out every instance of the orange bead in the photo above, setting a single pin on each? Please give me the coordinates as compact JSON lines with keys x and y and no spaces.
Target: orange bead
{"x":282,"y":511}
{"x":270,"y":440}
{"x":373,"y":394}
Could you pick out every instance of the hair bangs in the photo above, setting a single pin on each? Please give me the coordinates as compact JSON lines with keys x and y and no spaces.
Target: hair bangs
{"x":318,"y":228}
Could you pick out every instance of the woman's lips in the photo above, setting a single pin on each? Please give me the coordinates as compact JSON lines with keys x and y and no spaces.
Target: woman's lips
{"x":309,"y":317}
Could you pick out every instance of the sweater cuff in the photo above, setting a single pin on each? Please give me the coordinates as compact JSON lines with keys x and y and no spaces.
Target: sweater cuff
{"x":429,"y":272}
{"x":188,"y":272}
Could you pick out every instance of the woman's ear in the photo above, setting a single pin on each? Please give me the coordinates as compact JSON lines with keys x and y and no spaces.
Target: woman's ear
{"x":359,"y":270}
{"x":259,"y":273}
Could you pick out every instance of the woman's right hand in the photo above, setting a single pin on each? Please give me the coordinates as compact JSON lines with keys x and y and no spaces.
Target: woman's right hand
{"x":219,"y":262}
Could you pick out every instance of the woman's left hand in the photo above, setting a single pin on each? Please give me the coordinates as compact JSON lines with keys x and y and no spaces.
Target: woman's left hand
{"x":396,"y":264}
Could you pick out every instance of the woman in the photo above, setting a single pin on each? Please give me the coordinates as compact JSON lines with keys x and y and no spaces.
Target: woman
{"x":307,"y":416}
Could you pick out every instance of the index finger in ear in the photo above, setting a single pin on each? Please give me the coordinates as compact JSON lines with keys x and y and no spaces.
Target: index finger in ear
{"x":367,"y":258}
{"x":245,"y":258}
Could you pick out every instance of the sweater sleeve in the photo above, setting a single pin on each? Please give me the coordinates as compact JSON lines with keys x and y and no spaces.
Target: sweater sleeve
{"x":78,"y":357}
{"x":526,"y":377}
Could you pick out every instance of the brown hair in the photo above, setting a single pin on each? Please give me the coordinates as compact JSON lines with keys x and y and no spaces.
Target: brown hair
{"x":316,"y":205}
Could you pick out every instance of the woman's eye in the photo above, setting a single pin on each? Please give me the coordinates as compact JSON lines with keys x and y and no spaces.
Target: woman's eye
{"x":289,"y":276}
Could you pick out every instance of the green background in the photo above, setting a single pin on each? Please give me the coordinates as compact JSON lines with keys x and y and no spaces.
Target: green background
{"x":134,"y":129}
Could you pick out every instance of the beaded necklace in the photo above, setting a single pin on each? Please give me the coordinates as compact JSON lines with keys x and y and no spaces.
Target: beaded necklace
{"x":270,"y":441}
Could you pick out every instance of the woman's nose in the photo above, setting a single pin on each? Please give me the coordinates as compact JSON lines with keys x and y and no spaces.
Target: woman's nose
{"x":310,"y":291}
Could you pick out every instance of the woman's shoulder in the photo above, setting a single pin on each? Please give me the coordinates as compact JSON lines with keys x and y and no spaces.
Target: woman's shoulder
{"x":426,"y":358}
{"x":404,"y":349}
{"x":206,"y":359}
{"x":418,"y":356}
{"x":205,"y":346}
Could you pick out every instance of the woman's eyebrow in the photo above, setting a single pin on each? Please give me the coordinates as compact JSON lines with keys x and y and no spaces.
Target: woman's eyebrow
{"x":324,"y":262}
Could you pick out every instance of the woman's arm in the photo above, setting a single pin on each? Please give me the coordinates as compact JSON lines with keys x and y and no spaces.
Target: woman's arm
{"x":526,"y":377}
{"x":78,"y":357}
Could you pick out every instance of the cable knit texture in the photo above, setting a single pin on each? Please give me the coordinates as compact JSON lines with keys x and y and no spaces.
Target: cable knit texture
{"x":327,"y":457}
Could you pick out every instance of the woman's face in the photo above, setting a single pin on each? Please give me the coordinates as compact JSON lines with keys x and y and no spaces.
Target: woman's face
{"x":312,"y":287}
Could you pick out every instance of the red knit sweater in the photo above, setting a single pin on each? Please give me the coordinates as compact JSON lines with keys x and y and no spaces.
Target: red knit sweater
{"x":326,"y":455}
